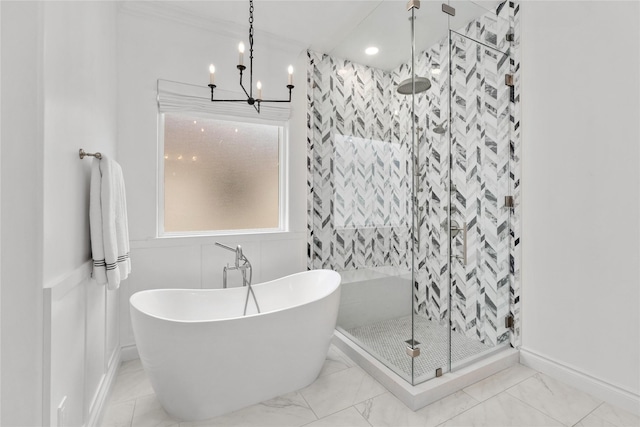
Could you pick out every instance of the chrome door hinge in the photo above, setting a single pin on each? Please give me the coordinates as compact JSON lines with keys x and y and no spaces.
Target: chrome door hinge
{"x":413,"y":4}
{"x":508,"y":202}
{"x":448,"y":9}
{"x":508,"y":322}
{"x":412,"y":350}
{"x":508,"y":79}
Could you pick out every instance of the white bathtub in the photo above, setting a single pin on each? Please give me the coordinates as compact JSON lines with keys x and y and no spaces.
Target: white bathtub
{"x":204,"y":358}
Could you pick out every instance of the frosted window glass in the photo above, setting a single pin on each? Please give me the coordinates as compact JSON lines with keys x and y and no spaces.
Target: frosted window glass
{"x":220,"y":175}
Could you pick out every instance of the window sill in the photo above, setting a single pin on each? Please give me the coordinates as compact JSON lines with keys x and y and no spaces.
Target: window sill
{"x":230,"y":238}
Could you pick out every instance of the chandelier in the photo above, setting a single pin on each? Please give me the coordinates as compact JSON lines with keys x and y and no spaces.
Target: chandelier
{"x":255,"y":102}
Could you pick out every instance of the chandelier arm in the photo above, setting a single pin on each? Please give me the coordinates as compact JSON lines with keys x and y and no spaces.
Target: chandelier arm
{"x":229,"y":100}
{"x":242,"y":86}
{"x":290,"y":87}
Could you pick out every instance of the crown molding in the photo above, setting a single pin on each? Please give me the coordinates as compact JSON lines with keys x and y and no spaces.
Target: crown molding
{"x":169,"y":11}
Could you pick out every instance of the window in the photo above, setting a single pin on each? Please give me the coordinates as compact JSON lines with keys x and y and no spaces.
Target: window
{"x":220,"y":175}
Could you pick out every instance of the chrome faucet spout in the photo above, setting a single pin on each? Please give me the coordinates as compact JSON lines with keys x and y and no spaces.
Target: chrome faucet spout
{"x":238,"y":250}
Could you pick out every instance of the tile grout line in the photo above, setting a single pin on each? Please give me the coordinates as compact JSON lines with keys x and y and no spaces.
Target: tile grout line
{"x":309,"y":405}
{"x":502,"y":391}
{"x":594,"y":410}
{"x":531,"y":406}
{"x":480,"y":402}
{"x":135,"y":403}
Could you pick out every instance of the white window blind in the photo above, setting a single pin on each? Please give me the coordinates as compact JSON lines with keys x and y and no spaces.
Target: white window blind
{"x":176,"y":97}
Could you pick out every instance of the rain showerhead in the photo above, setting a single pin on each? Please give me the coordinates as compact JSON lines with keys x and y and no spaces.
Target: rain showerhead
{"x":405,"y":87}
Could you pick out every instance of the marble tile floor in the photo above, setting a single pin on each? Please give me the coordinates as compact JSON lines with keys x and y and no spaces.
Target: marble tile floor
{"x":346,"y":396}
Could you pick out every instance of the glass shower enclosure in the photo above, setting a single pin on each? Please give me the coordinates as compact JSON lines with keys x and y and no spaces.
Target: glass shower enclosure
{"x":409,"y":189}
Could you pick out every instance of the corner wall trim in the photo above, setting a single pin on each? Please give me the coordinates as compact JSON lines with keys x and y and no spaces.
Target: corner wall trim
{"x":608,"y":392}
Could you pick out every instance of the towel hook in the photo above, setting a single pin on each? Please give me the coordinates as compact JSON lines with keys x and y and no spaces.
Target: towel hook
{"x":82,"y":154}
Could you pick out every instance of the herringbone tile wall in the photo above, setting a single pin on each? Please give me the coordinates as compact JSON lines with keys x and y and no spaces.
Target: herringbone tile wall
{"x":360,"y":174}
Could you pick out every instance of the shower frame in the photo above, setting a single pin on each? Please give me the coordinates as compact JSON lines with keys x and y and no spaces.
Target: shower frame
{"x":414,"y":232}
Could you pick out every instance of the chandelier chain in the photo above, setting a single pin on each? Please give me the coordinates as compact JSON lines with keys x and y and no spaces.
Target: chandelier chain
{"x":251,"y":25}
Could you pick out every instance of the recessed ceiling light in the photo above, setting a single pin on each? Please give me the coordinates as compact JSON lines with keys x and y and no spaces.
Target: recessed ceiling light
{"x":371,"y":50}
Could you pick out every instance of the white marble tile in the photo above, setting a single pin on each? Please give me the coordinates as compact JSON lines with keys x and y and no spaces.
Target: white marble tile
{"x":131,"y":385}
{"x":289,"y":410}
{"x":556,"y":399}
{"x":502,"y":410}
{"x":592,"y":420}
{"x":499,"y":382}
{"x":387,"y":411}
{"x":346,"y":418}
{"x":149,"y":413}
{"x":119,"y":414}
{"x":338,"y":391}
{"x":447,"y":408}
{"x":333,"y":363}
{"x":617,"y":416}
{"x":340,"y":354}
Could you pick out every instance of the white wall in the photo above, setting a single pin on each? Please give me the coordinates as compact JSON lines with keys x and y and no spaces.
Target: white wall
{"x":157,"y":41}
{"x":581,"y":194}
{"x":59,"y":94}
{"x":21,"y":240}
{"x":81,"y":320}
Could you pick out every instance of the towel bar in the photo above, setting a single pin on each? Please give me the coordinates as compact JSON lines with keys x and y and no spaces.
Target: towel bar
{"x":82,"y":154}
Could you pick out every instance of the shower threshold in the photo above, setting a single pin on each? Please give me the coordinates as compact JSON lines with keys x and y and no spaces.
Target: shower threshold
{"x":421,"y":395}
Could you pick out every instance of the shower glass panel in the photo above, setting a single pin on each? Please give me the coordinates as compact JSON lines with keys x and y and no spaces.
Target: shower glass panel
{"x":364,"y":227}
{"x":404,"y":179}
{"x":430,"y":304}
{"x":480,"y":124}
{"x":461,"y":269}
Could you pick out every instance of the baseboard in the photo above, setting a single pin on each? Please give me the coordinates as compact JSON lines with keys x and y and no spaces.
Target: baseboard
{"x":610,"y":393}
{"x":104,"y":391}
{"x":129,"y":352}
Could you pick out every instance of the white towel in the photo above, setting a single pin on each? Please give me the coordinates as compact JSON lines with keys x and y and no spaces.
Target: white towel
{"x":108,"y":222}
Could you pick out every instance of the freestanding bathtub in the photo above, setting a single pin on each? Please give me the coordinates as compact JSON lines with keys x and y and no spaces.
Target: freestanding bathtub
{"x":204,"y":358}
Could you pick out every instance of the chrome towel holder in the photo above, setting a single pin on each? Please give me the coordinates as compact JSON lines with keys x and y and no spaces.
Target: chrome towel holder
{"x":82,"y":154}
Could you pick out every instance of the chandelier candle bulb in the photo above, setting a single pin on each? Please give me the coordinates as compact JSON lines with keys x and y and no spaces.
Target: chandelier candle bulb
{"x":212,"y":71}
{"x":259,"y":86}
{"x":290,"y":69}
{"x":241,"y":54}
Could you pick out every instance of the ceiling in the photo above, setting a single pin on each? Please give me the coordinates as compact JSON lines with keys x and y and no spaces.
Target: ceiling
{"x":342,"y":28}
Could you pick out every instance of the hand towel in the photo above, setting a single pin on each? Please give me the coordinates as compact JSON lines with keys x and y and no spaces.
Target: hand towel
{"x":108,"y":223}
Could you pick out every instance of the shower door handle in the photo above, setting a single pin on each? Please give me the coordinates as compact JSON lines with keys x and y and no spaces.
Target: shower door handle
{"x":455,"y":229}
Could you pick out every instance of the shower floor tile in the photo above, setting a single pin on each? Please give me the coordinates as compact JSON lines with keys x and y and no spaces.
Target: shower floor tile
{"x":387,"y":341}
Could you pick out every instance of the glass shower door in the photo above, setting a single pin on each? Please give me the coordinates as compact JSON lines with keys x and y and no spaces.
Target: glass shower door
{"x":479,"y":199}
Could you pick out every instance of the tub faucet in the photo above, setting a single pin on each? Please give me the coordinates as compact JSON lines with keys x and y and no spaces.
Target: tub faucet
{"x":239,"y":254}
{"x":242,"y":264}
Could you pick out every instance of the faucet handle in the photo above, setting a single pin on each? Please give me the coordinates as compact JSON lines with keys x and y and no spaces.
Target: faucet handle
{"x":229,"y":248}
{"x":239,"y":255}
